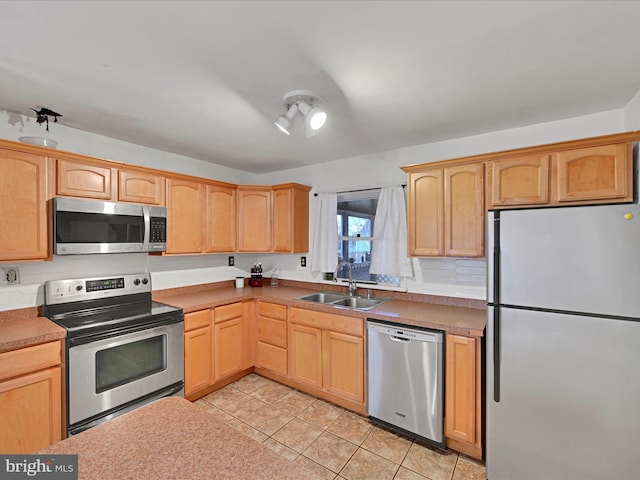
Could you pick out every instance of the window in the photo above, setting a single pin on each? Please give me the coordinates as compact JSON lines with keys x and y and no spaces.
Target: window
{"x":355,"y":219}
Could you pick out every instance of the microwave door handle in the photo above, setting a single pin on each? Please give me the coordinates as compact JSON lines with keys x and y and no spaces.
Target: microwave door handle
{"x":147,"y":228}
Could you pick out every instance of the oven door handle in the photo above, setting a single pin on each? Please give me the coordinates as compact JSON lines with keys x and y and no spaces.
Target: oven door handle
{"x":76,"y":339}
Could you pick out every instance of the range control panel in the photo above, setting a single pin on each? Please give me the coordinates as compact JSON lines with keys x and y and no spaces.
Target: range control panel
{"x":78,"y":289}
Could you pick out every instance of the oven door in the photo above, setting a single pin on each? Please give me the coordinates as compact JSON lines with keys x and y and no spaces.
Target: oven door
{"x":113,"y":371}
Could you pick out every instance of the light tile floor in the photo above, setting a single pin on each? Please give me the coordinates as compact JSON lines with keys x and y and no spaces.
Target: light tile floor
{"x":329,"y":440}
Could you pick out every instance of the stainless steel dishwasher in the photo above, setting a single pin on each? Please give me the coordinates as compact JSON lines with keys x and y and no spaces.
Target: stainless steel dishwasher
{"x":405,"y":379}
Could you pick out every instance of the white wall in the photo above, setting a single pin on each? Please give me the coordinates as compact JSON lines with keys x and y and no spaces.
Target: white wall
{"x":455,"y":277}
{"x":14,"y":126}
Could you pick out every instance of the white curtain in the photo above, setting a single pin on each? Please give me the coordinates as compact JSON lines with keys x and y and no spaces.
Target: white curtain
{"x":324,"y":247}
{"x":389,"y":253}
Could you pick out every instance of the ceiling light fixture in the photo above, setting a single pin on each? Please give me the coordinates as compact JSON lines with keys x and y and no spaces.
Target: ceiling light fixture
{"x":305,"y":103}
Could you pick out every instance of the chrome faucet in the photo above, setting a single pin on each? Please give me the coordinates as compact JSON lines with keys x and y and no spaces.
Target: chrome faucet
{"x":352,"y":283}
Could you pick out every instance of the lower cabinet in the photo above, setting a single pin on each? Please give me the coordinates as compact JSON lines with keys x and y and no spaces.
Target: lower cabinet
{"x":271,"y":345}
{"x":326,"y":353}
{"x":216,"y":345}
{"x":463,"y":402}
{"x":228,"y":342}
{"x":30,"y":398}
{"x":198,"y":351}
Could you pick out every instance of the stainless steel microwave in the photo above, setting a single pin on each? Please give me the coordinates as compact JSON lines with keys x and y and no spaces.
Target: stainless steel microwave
{"x":92,"y":226}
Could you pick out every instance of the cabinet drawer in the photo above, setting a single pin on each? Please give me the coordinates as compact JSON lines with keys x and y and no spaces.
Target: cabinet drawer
{"x":272,"y":331}
{"x":227,"y":312}
{"x":196,"y":320}
{"x":29,"y":359}
{"x":272,"y":310}
{"x":272,"y":358}
{"x":328,"y":321}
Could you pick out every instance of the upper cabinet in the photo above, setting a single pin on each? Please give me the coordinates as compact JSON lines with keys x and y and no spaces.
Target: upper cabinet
{"x":24,"y":191}
{"x":103,"y":181}
{"x":137,"y":186}
{"x":185,"y":216}
{"x":518,"y":181}
{"x":598,"y":174}
{"x":445,"y":211}
{"x":221,"y":218}
{"x":254,"y":219}
{"x":602,"y":173}
{"x":291,"y":218}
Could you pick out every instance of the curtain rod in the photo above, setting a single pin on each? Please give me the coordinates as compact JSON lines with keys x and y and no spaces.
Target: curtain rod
{"x":365,"y":189}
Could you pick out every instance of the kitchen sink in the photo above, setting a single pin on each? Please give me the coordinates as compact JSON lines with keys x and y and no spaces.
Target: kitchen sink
{"x":322,"y":297}
{"x":343,"y":301}
{"x":358,"y":303}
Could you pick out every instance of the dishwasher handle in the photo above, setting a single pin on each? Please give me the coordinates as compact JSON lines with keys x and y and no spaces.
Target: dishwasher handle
{"x":399,"y":339}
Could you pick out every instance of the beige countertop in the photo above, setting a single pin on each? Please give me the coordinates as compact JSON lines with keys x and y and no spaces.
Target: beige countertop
{"x":452,"y":319}
{"x":23,"y":328}
{"x":20,"y":332}
{"x":173,"y":438}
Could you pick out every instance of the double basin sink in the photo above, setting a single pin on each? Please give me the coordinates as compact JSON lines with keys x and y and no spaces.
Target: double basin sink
{"x":343,"y":301}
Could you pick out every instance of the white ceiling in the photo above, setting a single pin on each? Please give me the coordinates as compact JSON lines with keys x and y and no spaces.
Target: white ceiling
{"x":206,"y":79}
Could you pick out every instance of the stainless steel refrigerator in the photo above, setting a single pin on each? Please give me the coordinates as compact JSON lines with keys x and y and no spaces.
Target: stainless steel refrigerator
{"x":563,"y":344}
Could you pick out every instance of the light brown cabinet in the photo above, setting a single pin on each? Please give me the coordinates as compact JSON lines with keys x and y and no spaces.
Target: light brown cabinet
{"x":271,"y":345}
{"x":228,"y":340}
{"x":185,"y":216}
{"x":137,"y":186}
{"x":596,"y":174}
{"x":445,"y":211}
{"x":326,"y":353}
{"x":198,"y":351}
{"x":221,"y":218}
{"x":24,"y":191}
{"x":106,"y":181}
{"x":254,"y":219}
{"x":463,"y":403}
{"x":591,"y":175}
{"x":291,"y":218}
{"x":30,"y":398}
{"x":518,"y":181}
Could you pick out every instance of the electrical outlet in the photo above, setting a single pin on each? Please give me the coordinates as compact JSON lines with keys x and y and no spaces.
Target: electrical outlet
{"x":231,"y":261}
{"x":303,"y":261}
{"x":10,"y":275}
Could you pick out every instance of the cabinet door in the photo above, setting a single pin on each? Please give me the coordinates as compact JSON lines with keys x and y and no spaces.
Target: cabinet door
{"x":254,"y":220}
{"x":461,"y":404}
{"x":31,"y":416}
{"x":518,"y":181}
{"x":84,"y":180}
{"x":185,"y":216}
{"x":140,"y":187}
{"x":228,"y":348}
{"x":283,"y":220}
{"x":221,"y":223}
{"x":344,"y":365}
{"x":305,"y":354}
{"x":23,"y":206}
{"x":291,"y":218}
{"x":198,"y":360}
{"x":464,"y":210}
{"x":425,"y":213}
{"x":596,"y":173}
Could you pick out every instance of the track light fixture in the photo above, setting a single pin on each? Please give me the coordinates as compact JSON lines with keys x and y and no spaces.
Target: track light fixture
{"x":305,"y":103}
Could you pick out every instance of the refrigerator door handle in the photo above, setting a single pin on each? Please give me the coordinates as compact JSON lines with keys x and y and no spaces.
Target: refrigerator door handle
{"x":496,"y":309}
{"x":496,"y":354}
